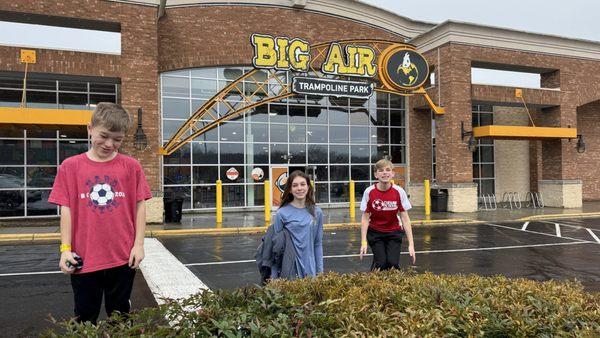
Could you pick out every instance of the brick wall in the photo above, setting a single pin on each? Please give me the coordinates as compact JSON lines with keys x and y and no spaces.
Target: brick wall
{"x":588,"y":120}
{"x":205,"y":36}
{"x":579,"y":83}
{"x":136,"y":66}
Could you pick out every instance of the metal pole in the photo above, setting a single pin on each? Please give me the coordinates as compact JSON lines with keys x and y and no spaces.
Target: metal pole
{"x":267,"y":203}
{"x":427,"y":199}
{"x":219,"y":202}
{"x":352,"y":202}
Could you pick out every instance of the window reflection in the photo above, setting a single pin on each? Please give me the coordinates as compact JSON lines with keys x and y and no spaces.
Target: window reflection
{"x":177,"y":175}
{"x":317,"y":153}
{"x":359,"y":154}
{"x":338,"y":154}
{"x":40,"y":177}
{"x":338,"y":134}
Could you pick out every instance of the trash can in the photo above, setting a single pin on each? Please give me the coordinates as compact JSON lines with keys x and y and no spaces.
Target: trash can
{"x":173,"y":206}
{"x":439,"y":200}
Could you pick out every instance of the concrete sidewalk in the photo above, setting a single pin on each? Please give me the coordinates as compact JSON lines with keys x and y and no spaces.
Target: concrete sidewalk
{"x":252,"y":222}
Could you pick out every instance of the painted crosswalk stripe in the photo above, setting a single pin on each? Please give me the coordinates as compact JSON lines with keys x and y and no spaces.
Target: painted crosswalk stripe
{"x":593,"y":235}
{"x":166,"y":276}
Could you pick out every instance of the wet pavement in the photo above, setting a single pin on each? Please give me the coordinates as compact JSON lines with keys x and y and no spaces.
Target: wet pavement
{"x":38,"y":290}
{"x":484,"y":249}
{"x":31,"y":288}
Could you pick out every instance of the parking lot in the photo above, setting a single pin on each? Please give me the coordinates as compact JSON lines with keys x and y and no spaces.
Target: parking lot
{"x":31,"y":287}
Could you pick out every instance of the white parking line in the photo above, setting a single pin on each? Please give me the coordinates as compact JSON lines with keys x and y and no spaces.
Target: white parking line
{"x":30,"y":273}
{"x":538,"y":233}
{"x":406,"y":253}
{"x":525,"y":226}
{"x":590,"y":231}
{"x":557,"y":227}
{"x":593,"y":235}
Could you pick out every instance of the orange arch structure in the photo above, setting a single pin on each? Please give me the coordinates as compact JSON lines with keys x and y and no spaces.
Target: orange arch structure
{"x":267,"y":85}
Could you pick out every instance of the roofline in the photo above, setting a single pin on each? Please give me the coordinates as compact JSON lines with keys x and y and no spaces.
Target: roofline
{"x":353,"y":9}
{"x":505,"y":38}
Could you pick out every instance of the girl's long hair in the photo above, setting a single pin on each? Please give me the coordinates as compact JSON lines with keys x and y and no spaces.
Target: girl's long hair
{"x":288,"y":197}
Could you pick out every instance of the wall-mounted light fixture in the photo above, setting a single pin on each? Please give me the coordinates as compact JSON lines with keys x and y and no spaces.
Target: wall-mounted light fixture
{"x":580,"y":144}
{"x":140,"y":141}
{"x":471,"y":143}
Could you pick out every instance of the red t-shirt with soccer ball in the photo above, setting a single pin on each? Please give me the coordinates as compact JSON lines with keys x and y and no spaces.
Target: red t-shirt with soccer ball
{"x":384,"y":206}
{"x":102,"y":198}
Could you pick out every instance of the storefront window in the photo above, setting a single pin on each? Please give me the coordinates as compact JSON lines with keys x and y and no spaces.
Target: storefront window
{"x":335,"y":138}
{"x":27,"y":173}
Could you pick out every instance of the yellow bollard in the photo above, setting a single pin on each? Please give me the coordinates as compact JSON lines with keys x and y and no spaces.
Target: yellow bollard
{"x":267,"y":203}
{"x":427,"y":199}
{"x":352,"y":202}
{"x":219,"y":202}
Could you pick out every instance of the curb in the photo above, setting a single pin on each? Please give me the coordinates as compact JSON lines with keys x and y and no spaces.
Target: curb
{"x":55,"y":237}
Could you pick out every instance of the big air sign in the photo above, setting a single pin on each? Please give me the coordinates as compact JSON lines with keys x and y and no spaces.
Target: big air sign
{"x":400,"y":67}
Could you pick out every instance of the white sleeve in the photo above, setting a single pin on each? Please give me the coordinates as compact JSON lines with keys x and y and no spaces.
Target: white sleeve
{"x":403,"y":198}
{"x":365,"y":199}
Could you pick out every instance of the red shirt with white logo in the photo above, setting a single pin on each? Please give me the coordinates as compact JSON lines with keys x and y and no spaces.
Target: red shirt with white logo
{"x":384,"y":206}
{"x":102,"y":198}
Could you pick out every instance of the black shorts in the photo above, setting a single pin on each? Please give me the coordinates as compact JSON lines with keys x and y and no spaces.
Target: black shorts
{"x":386,"y":248}
{"x":115,"y":284}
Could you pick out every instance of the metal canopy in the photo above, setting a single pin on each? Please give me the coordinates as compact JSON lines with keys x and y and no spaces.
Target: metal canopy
{"x":17,"y":115}
{"x":524,"y":133}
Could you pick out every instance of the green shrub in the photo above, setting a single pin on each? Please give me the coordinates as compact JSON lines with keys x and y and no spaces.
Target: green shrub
{"x":370,"y":304}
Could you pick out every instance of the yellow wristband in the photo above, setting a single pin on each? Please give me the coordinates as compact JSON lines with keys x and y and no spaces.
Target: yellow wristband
{"x":65,"y":247}
{"x":363,"y":243}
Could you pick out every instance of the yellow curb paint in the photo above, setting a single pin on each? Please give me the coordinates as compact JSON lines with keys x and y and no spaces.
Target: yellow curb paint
{"x":45,"y":236}
{"x":16,"y":237}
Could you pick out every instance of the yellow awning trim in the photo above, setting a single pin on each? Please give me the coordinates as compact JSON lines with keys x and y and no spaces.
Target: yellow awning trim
{"x":524,"y":133}
{"x":45,"y":116}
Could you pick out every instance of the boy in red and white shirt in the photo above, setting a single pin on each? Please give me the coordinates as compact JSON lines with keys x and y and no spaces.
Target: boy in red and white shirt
{"x":101,"y":195}
{"x":381,"y":229}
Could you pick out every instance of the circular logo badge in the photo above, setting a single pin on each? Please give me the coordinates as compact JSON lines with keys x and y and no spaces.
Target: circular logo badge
{"x":378,"y":204}
{"x":258,"y":174}
{"x":402,"y":68}
{"x":281,"y":181}
{"x":232,"y":174}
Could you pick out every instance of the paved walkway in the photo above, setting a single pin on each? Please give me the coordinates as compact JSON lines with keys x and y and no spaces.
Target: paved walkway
{"x":248,"y":222}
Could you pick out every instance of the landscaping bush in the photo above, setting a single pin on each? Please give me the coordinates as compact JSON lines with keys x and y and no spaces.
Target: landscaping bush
{"x":370,"y":304}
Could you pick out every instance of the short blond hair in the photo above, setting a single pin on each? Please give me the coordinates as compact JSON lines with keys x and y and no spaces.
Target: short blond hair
{"x":111,"y":116}
{"x":383,"y":163}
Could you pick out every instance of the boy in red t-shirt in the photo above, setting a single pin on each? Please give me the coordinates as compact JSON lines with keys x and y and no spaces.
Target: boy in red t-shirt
{"x":381,"y":229}
{"x":101,"y":195}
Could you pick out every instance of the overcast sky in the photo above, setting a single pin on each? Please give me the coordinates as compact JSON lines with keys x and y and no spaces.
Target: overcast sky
{"x":571,"y":18}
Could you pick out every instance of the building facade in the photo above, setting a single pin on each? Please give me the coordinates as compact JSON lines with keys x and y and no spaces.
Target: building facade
{"x":177,"y":56}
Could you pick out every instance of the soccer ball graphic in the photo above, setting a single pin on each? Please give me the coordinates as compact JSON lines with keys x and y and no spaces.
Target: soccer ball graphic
{"x":101,"y":194}
{"x":377,"y":204}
